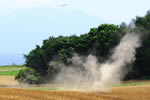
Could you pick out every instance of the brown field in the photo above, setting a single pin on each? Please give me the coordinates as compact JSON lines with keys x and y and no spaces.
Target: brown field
{"x":8,"y":80}
{"x":140,"y":92}
{"x":137,"y":92}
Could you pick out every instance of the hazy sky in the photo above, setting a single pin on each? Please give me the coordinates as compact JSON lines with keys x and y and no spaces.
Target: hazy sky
{"x":25,"y":23}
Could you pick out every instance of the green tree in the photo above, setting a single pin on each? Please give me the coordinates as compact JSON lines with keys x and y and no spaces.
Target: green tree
{"x":37,"y":60}
{"x":97,"y":41}
{"x":105,"y":37}
{"x":143,"y":53}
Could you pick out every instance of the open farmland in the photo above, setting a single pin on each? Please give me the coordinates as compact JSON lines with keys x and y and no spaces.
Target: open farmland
{"x":7,"y":74}
{"x":139,"y":92}
{"x":10,"y":70}
{"x":134,"y":90}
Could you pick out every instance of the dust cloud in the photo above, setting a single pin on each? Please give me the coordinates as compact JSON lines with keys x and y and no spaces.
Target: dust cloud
{"x":86,"y":73}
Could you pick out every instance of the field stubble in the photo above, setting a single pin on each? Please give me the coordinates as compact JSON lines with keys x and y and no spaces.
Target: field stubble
{"x":139,"y":92}
{"x":8,"y":80}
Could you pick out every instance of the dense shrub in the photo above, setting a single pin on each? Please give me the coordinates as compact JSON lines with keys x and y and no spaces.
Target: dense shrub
{"x":29,"y":76}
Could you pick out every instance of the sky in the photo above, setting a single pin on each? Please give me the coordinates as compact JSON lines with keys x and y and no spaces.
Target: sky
{"x":26,"y":23}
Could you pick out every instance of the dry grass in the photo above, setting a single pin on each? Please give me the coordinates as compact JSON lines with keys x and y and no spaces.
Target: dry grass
{"x":8,"y":80}
{"x":141,"y":92}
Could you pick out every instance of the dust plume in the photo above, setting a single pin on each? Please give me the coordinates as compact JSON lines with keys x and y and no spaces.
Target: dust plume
{"x":86,"y":73}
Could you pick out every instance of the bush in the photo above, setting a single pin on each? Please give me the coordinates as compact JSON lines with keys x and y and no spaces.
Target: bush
{"x":29,"y":76}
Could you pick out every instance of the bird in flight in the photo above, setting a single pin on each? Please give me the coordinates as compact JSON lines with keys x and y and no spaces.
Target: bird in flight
{"x":62,"y":5}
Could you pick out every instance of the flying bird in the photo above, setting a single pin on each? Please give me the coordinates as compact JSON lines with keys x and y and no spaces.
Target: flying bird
{"x":62,"y":5}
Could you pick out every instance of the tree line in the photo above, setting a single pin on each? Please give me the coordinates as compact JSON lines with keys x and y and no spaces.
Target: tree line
{"x":98,"y":42}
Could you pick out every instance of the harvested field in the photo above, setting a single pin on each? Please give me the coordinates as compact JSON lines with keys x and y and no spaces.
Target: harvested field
{"x":141,"y":92}
{"x":8,"y":80}
{"x":10,"y":70}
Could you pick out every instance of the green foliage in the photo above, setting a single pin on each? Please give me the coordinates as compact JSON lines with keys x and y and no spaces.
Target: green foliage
{"x":98,"y":41}
{"x":36,"y":60}
{"x":106,"y":37}
{"x":141,"y":67}
{"x":143,"y":53}
{"x":143,"y":22}
{"x":29,"y":76}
